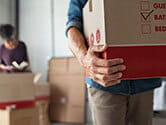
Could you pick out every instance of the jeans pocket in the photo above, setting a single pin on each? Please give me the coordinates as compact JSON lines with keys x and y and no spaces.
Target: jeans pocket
{"x":103,"y":98}
{"x":97,"y":96}
{"x":92,"y":91}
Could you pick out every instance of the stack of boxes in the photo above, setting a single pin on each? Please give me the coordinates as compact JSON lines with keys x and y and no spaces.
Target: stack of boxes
{"x":42,"y":94}
{"x":18,"y":99}
{"x":66,"y":77}
{"x":25,"y":116}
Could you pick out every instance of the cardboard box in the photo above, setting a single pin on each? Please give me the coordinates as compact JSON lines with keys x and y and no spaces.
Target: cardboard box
{"x":42,"y":91}
{"x":67,"y":91}
{"x":67,"y":65}
{"x":121,"y":23}
{"x":68,"y":88}
{"x":27,"y":116}
{"x":17,"y":90}
{"x":42,"y":107}
{"x":133,"y":30}
{"x":67,"y":113}
{"x":42,"y":95}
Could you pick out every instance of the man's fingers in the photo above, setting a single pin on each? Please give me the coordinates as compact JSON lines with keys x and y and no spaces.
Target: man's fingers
{"x":107,"y":84}
{"x":108,"y":70}
{"x":114,"y":77}
{"x":106,"y":78}
{"x":99,"y":48}
{"x":117,"y":61}
{"x":111,"y":83}
{"x":105,"y":63}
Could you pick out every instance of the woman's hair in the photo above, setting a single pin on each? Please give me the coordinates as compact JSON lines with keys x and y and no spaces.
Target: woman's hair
{"x":7,"y":31}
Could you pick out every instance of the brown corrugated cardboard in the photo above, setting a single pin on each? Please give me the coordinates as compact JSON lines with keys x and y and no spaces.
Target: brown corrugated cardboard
{"x":42,"y":107}
{"x":74,"y":66}
{"x":67,"y":91}
{"x":42,"y":94}
{"x":42,"y":90}
{"x":16,"y":88}
{"x":125,"y":22}
{"x":67,"y":88}
{"x":58,"y":62}
{"x":69,"y":65}
{"x":67,"y":113}
{"x":27,"y":116}
{"x":134,"y":30}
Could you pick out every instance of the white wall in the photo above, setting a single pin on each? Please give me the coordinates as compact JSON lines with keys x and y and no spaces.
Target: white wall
{"x":35,"y":31}
{"x":6,"y":12}
{"x":60,"y":18}
{"x":12,"y":11}
{"x":42,"y":27}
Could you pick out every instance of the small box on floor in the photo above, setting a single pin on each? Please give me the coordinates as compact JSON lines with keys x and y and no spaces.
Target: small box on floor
{"x":27,"y":116}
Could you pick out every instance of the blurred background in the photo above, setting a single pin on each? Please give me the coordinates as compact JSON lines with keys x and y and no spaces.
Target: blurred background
{"x":41,"y":25}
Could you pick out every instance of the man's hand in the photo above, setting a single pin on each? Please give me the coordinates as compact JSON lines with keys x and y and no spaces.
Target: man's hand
{"x":105,"y":72}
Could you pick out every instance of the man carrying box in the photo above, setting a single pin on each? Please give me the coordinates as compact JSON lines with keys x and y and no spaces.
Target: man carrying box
{"x":112,"y":101}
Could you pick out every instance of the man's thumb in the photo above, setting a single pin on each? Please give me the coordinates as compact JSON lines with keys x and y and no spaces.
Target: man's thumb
{"x":99,"y":48}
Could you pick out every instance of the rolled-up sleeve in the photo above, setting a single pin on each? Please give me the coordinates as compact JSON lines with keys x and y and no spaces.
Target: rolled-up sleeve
{"x":75,"y":14}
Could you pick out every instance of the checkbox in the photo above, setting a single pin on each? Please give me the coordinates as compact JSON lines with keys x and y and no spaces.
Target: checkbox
{"x":145,"y":6}
{"x":145,"y":14}
{"x":146,"y":29}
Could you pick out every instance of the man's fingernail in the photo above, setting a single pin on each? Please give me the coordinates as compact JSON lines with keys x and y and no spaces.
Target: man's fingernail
{"x":124,"y":67}
{"x":120,"y":75}
{"x":105,"y":47}
{"x":121,"y":60}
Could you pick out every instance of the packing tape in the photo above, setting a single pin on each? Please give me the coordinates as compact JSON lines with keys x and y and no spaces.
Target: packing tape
{"x":42,"y":98}
{"x":18,"y":104}
{"x":90,"y":6}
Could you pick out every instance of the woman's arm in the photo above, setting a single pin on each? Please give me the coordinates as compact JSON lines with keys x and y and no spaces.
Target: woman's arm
{"x":3,"y":67}
{"x":26,"y":58}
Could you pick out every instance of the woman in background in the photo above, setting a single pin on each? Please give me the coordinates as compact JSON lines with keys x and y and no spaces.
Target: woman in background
{"x":13,"y":53}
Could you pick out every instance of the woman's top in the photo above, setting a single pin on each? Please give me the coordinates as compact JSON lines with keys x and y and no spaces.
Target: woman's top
{"x":18,"y":54}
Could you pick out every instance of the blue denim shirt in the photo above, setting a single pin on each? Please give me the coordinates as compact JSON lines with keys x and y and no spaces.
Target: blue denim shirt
{"x":126,"y":87}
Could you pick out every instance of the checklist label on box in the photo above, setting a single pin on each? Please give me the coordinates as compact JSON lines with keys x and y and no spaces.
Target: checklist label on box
{"x":146,"y":29}
{"x":145,"y":5}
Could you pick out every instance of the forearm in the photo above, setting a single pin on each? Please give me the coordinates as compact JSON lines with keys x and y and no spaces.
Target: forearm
{"x":104,"y":72}
{"x":2,"y":67}
{"x":77,"y":44}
